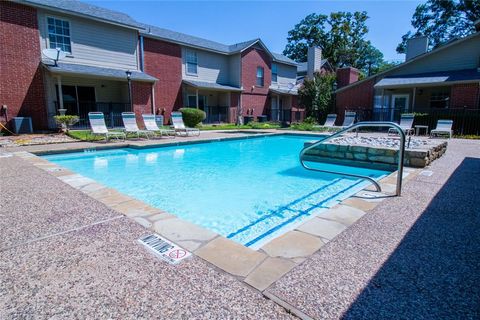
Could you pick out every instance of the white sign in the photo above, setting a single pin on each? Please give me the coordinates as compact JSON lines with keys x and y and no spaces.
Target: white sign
{"x":166,"y":250}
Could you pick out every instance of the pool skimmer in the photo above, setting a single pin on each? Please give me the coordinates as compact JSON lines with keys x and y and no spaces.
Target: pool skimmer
{"x":164,"y":249}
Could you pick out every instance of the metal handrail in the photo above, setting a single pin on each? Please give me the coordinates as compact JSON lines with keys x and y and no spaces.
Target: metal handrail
{"x":356,"y":126}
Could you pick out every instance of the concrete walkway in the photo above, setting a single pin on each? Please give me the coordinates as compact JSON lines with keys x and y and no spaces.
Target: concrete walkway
{"x":65,"y":255}
{"x":413,"y":257}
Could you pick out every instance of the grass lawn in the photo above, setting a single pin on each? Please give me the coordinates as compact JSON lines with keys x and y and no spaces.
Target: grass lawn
{"x":232,"y":126}
{"x":86,"y":135}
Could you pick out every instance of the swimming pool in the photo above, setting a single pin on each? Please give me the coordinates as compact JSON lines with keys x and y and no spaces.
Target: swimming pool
{"x":248,"y":190}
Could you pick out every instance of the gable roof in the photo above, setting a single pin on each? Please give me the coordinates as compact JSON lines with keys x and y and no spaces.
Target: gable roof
{"x":79,"y":8}
{"x":413,"y":60}
{"x":201,"y":43}
{"x":467,"y":75}
{"x":303,"y":66}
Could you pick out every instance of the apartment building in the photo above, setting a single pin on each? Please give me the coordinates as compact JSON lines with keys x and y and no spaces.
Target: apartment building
{"x":108,"y":51}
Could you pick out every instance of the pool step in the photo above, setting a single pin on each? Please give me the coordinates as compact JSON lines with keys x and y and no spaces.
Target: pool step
{"x":273,"y":221}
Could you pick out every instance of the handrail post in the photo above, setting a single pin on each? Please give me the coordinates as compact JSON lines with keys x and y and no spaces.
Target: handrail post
{"x":356,"y":126}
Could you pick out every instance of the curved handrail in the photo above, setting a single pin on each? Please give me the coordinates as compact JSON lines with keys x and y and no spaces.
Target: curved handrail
{"x":356,"y":126}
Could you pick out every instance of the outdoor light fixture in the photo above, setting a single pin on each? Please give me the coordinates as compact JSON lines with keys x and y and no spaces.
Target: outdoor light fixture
{"x":129,"y":78}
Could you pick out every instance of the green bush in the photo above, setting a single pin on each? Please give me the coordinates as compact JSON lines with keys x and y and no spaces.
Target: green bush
{"x":66,"y":121}
{"x":310,"y":120}
{"x":192,"y":116}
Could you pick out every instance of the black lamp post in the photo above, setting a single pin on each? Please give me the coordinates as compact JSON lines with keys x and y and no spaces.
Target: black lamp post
{"x":129,"y":80}
{"x":334,"y":88}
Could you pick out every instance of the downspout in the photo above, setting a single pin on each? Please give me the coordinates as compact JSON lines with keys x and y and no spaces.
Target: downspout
{"x":141,"y":55}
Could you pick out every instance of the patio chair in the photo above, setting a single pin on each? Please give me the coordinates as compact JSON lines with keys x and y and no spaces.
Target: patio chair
{"x":406,"y":122}
{"x":180,"y":127}
{"x":443,"y":127}
{"x":329,"y":122}
{"x":98,"y":126}
{"x":349,"y":119}
{"x":151,"y":126}
{"x":130,"y":124}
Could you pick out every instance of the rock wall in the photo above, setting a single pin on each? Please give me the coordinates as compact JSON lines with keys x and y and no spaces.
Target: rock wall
{"x":375,"y":157}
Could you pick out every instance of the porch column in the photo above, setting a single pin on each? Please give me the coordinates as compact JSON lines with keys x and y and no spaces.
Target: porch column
{"x":60,"y":93}
{"x":153,"y":97}
{"x":413,"y":99}
{"x":279,"y":117}
{"x":196,"y":97}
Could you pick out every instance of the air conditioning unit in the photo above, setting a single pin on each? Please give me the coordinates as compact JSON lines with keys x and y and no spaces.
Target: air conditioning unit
{"x":22,"y":125}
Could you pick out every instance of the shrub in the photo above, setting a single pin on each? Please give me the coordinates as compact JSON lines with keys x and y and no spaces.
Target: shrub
{"x":310,"y":120}
{"x":66,"y":121}
{"x":192,"y":116}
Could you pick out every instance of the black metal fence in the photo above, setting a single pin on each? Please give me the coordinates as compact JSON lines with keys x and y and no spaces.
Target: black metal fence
{"x":111,"y":110}
{"x":466,"y":121}
{"x":215,"y":114}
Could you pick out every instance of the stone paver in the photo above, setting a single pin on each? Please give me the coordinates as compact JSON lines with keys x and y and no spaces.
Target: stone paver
{"x":268,"y":272}
{"x":325,"y":229}
{"x":293,"y":244}
{"x":230,"y":256}
{"x":344,"y":214}
{"x":183,"y":232}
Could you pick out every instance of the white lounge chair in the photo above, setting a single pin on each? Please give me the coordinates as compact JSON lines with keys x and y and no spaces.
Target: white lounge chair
{"x":151,"y":125}
{"x":349,"y":119}
{"x":180,"y":127}
{"x":329,"y":122}
{"x":98,"y":126}
{"x":406,"y":122}
{"x":130,"y":124}
{"x":443,"y":127}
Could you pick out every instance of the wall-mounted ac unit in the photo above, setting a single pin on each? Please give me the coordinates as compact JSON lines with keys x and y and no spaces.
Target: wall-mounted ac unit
{"x":22,"y":125}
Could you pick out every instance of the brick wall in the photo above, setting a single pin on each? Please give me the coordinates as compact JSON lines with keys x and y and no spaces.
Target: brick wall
{"x":256,"y":98}
{"x":163,"y":60}
{"x":465,"y":95}
{"x":234,"y":102}
{"x":21,"y":86}
{"x":141,"y":99}
{"x":355,"y":98}
{"x":346,"y":76}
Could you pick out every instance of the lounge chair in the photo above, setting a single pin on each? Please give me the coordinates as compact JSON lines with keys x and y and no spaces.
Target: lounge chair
{"x":329,"y":122}
{"x":151,"y":126}
{"x":443,"y":127}
{"x":406,"y":122}
{"x":349,"y":119}
{"x":130,"y":124}
{"x":98,"y":126}
{"x":180,"y":127}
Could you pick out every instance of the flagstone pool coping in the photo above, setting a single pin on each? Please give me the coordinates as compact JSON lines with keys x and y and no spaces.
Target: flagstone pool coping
{"x":257,"y":268}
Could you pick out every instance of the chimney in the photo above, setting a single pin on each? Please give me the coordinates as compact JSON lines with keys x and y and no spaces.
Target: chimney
{"x":314,"y":61}
{"x":416,"y":46}
{"x":346,"y":76}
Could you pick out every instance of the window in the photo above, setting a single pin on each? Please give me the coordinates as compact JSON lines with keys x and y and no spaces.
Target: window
{"x":191,"y":59}
{"x":274,"y":72}
{"x":439,"y":99}
{"x":59,"y":34}
{"x":260,"y":76}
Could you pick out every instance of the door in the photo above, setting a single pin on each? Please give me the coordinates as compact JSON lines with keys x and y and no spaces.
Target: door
{"x":399,"y":105}
{"x":86,"y":101}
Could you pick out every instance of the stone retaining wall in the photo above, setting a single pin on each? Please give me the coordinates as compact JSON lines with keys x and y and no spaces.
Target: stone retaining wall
{"x":378,"y":157}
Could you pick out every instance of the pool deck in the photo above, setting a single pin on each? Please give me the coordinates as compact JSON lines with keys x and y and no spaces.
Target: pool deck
{"x":419,"y":250}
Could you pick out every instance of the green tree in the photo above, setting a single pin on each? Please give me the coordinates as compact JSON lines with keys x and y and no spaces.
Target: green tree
{"x":341,"y":35}
{"x":442,"y":20}
{"x":316,"y":95}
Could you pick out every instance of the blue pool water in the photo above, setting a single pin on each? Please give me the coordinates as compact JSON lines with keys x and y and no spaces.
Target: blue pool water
{"x":248,"y":190}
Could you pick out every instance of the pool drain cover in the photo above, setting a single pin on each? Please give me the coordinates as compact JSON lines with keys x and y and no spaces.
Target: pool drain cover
{"x":164,"y":249}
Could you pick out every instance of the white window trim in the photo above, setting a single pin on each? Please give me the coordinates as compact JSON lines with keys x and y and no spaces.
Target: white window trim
{"x":47,"y":36}
{"x":263,"y":76}
{"x":186,"y":62}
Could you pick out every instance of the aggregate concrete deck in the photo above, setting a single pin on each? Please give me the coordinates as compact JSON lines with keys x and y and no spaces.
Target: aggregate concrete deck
{"x":413,"y":257}
{"x":64,"y":255}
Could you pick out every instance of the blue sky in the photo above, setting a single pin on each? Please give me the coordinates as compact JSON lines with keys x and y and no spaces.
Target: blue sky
{"x":235,"y":21}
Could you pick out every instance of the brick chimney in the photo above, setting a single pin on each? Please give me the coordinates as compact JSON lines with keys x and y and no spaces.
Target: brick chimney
{"x":314,"y":61}
{"x":346,"y":76}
